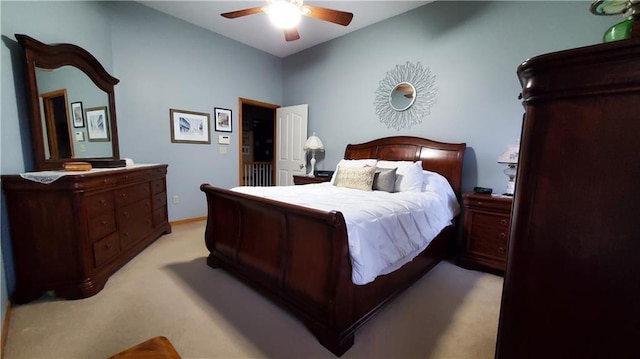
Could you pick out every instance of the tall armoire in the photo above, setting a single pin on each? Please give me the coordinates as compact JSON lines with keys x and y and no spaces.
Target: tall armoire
{"x":572,"y":284}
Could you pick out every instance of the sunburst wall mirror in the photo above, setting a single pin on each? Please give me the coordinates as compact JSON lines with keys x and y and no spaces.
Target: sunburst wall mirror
{"x":405,"y":95}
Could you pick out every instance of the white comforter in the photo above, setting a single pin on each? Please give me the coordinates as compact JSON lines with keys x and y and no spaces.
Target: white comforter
{"x":385,"y":230}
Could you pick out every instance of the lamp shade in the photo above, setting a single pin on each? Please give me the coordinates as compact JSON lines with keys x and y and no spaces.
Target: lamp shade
{"x":313,"y":143}
{"x":510,"y":156}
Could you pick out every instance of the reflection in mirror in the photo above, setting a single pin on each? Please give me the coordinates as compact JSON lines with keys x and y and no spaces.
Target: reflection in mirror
{"x":61,"y":137}
{"x":63,"y":82}
{"x":57,"y":138}
{"x":402,"y":96}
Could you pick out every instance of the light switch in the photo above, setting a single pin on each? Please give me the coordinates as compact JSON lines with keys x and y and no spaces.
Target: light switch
{"x":223,"y":140}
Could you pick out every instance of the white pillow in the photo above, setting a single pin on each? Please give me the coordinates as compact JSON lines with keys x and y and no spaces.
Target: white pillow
{"x":434,"y":182}
{"x":371,"y":162}
{"x":408,"y":175}
{"x":437,"y":183}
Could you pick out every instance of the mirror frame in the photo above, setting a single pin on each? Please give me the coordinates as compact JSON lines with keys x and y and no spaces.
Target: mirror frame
{"x":38,"y":54}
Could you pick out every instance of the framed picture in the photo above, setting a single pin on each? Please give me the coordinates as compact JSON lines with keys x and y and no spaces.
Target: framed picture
{"x":97,"y":124}
{"x":189,"y":127}
{"x":223,"y":119}
{"x":77,"y":114}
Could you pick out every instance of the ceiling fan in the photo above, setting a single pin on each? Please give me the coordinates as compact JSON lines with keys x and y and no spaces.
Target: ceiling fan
{"x":286,"y":15}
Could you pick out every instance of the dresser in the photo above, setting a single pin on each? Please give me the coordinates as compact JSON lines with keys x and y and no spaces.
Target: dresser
{"x":572,"y":284}
{"x":486,"y":231}
{"x":298,"y":180}
{"x":70,"y":235}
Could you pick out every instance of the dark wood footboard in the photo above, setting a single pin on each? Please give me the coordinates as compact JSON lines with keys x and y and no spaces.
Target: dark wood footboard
{"x":299,"y":258}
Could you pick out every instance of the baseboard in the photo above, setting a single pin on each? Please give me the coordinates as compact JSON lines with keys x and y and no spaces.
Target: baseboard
{"x":188,"y":220}
{"x":5,"y":328}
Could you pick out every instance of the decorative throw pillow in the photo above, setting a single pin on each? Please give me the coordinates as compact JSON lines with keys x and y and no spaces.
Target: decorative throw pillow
{"x":353,"y":163}
{"x":355,"y":177}
{"x":385,"y":179}
{"x":408,"y":175}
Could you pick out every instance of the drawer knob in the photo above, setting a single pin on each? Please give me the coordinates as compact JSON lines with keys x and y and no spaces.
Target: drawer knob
{"x":124,"y":195}
{"x":103,"y":202}
{"x":502,"y":235}
{"x":125,"y":213}
{"x":501,"y":250}
{"x":107,"y":246}
{"x":503,"y":222}
{"x":104,"y":222}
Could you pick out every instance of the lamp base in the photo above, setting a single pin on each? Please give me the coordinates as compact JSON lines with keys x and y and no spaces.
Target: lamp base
{"x":511,"y":186}
{"x":313,"y":164}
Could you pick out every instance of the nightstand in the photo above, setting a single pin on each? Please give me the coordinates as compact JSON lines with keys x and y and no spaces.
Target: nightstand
{"x":307,"y":180}
{"x":485,"y":239}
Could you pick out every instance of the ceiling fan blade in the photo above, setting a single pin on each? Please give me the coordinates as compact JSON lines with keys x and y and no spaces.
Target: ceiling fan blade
{"x":291,"y":34}
{"x":335,"y":16}
{"x":239,"y":13}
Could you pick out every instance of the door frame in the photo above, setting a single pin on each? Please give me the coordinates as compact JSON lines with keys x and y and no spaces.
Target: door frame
{"x":270,"y":106}
{"x":50,"y":124}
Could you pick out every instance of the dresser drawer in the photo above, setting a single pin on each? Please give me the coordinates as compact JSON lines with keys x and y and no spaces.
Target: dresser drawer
{"x":135,"y":222}
{"x":159,"y":200}
{"x":89,"y":183}
{"x":100,"y":203}
{"x":101,"y":225}
{"x":159,"y":216}
{"x":157,"y":186}
{"x":105,"y":249}
{"x":132,"y":194}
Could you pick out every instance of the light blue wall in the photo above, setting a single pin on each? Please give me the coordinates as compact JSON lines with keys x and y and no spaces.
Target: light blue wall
{"x":473,"y":49}
{"x":162,"y":63}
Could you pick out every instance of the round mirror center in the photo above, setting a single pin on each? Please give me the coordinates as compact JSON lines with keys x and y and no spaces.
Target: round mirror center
{"x":402,"y":96}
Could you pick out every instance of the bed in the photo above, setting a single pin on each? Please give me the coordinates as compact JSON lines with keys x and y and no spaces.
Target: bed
{"x":299,"y":256}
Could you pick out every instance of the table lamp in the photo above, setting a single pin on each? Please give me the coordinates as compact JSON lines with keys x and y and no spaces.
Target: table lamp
{"x":313,"y":144}
{"x":510,"y":158}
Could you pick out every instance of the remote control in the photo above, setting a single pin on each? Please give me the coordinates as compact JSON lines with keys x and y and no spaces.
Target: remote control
{"x":483,"y":190}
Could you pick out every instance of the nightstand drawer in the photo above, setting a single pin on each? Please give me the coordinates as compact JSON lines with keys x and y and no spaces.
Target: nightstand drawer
{"x":495,"y":221}
{"x":489,"y":202}
{"x":489,"y":235}
{"x":487,"y":221}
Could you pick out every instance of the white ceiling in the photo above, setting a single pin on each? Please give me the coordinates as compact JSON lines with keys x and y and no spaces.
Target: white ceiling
{"x":256,"y":30}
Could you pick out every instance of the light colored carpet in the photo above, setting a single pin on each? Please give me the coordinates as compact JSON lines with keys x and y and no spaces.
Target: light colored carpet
{"x":169,"y":290}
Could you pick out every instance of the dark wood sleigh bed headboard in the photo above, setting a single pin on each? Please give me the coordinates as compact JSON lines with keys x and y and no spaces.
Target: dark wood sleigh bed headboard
{"x":443,"y":158}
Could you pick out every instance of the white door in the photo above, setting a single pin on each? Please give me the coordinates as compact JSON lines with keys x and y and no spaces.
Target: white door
{"x":291,"y":128}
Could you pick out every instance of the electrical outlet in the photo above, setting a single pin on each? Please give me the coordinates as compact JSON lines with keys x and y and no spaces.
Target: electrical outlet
{"x":176,"y":199}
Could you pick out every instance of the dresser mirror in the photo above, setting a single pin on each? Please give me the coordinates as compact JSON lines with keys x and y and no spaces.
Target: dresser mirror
{"x":71,"y":105}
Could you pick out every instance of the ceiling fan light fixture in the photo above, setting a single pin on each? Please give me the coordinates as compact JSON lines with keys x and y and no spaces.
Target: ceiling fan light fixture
{"x":284,"y":14}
